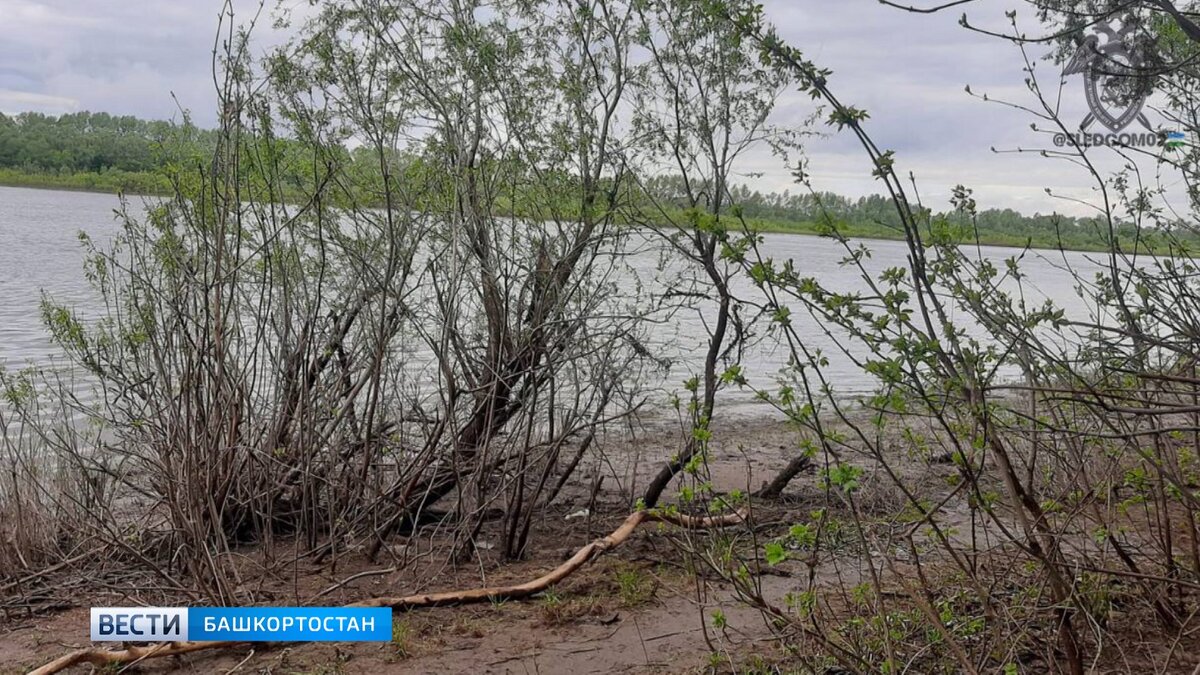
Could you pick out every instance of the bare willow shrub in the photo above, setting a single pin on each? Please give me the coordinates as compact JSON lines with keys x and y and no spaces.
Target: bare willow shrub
{"x":509,"y":116}
{"x":393,"y":293}
{"x":704,"y":107}
{"x":1045,"y":455}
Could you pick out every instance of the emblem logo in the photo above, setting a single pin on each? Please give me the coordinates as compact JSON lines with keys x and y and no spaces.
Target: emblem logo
{"x":1116,"y":77}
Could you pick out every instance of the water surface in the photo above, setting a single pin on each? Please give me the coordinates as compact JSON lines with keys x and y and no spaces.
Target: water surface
{"x":40,"y":253}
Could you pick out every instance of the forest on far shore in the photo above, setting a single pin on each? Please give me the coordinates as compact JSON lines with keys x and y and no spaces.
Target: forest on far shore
{"x":109,"y":153}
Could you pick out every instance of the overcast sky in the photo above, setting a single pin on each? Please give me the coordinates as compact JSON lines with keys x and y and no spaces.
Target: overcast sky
{"x":148,"y":58}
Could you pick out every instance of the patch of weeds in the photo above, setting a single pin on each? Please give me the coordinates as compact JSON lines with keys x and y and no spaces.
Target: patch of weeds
{"x":737,"y":664}
{"x":557,"y":611}
{"x":757,"y":665}
{"x":635,"y":586}
{"x":401,"y":639}
{"x":550,"y":598}
{"x":467,"y":626}
{"x":718,"y":620}
{"x":1096,"y":593}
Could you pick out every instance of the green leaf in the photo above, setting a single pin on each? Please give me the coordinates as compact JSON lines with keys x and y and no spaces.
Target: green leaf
{"x":775,"y":553}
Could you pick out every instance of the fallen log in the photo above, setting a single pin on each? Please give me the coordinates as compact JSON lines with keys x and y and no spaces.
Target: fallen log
{"x":110,"y":657}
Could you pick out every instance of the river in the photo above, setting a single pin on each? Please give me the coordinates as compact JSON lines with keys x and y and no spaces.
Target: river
{"x":41,"y":254}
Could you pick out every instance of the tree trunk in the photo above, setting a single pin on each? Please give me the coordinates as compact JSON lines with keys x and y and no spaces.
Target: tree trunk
{"x":775,"y":488}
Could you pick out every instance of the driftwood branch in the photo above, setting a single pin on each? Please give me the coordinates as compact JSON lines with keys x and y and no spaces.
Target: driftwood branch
{"x":107,"y":657}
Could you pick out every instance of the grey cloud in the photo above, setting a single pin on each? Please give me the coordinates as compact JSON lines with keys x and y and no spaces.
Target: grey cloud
{"x":908,"y":71}
{"x":124,"y":57}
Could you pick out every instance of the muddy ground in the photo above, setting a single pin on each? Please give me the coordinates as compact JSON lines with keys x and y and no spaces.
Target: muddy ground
{"x":637,"y":609}
{"x":641,"y":608}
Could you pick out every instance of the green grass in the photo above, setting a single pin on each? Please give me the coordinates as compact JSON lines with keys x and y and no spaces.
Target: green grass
{"x":401,"y":639}
{"x":634,"y":586}
{"x":112,"y":181}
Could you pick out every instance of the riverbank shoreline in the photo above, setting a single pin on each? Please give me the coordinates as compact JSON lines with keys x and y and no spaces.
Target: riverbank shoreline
{"x":634,"y":597}
{"x":122,"y":182}
{"x":646,"y":605}
{"x":758,"y":225}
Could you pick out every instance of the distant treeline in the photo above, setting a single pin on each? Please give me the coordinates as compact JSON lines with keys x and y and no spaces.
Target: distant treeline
{"x":875,"y":216}
{"x":79,"y":142}
{"x":85,"y":151}
{"x":102,"y":152}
